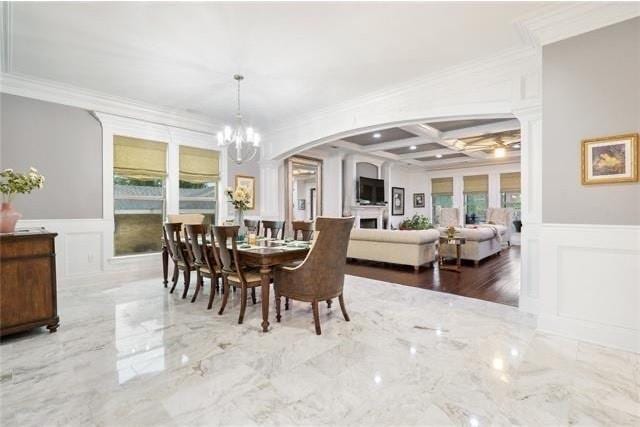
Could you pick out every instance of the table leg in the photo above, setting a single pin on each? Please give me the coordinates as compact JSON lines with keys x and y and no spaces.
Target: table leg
{"x":458,"y":261}
{"x":165,"y":265}
{"x":265,"y":275}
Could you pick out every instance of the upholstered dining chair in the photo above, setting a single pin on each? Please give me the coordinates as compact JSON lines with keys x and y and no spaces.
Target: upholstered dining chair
{"x":252,"y":225}
{"x":233,"y":272}
{"x":275,"y":228}
{"x":179,"y":254}
{"x":205,"y":260}
{"x":304,"y":229}
{"x":321,"y":276}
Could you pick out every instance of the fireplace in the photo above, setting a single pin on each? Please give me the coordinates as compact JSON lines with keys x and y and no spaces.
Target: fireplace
{"x":369,"y":223}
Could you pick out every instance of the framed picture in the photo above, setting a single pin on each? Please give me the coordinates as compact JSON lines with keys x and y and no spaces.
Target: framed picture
{"x":248,"y":182}
{"x":397,"y":201}
{"x":302,"y":204}
{"x":610,"y":159}
{"x":418,"y":200}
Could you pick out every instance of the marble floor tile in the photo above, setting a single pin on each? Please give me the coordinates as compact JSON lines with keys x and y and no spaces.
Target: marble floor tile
{"x":130,"y":354}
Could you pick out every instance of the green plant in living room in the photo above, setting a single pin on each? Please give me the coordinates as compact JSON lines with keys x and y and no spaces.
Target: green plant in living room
{"x":12,"y":183}
{"x":416,"y":222}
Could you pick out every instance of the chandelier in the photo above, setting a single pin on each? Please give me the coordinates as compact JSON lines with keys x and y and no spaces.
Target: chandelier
{"x":242,"y":142}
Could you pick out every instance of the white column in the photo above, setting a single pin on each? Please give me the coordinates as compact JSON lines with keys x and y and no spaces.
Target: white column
{"x":271,"y":190}
{"x":494,"y":190}
{"x":386,"y":175}
{"x":531,"y":238}
{"x":458,"y":196}
{"x":332,"y":186}
{"x":348,"y":184}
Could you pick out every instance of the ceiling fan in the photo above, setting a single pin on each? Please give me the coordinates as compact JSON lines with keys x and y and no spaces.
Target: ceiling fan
{"x":498,"y":142}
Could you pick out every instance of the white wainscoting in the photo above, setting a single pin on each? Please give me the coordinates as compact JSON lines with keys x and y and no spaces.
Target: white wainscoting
{"x":82,"y":255}
{"x":588,"y":279}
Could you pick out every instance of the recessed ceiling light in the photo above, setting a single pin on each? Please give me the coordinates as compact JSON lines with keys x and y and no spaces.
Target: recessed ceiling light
{"x":516,"y":145}
{"x":438,"y":156}
{"x":377,"y":135}
{"x":413,"y":147}
{"x":500,"y":152}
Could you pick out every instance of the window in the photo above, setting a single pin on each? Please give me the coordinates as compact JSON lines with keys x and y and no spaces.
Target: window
{"x":199,"y":173}
{"x":441,"y":196}
{"x":139,"y":175}
{"x":476,"y":198}
{"x":510,"y":194}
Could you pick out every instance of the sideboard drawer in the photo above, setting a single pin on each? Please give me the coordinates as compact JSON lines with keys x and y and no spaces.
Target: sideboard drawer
{"x":26,"y":248}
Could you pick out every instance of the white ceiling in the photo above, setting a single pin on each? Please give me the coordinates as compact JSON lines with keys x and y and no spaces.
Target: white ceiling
{"x":297,"y":57}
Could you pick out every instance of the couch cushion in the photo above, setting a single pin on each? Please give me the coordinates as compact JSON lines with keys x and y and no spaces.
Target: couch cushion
{"x":480,"y":234}
{"x":417,"y":237}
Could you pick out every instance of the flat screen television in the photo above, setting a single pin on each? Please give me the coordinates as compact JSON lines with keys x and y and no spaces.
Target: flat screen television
{"x":370,"y":191}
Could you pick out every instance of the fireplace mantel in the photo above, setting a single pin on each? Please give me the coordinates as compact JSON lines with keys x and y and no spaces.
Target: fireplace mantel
{"x":368,"y":211}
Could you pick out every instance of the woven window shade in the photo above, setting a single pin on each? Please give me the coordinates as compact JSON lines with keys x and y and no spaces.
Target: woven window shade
{"x":139,"y":158}
{"x":476,"y":184}
{"x":510,"y":182}
{"x":442,"y":186}
{"x":198,"y":165}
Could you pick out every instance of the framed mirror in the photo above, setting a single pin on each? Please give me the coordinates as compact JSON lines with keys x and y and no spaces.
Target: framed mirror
{"x":304,"y":190}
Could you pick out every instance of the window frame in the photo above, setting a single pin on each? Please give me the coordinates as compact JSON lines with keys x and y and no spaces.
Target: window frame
{"x":479,"y":218}
{"x":112,"y":126}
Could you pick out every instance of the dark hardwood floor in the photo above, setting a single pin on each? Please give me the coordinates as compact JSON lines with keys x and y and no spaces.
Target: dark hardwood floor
{"x":496,"y":279}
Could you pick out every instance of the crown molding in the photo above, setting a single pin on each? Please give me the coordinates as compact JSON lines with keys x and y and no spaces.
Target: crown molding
{"x":60,"y":93}
{"x":502,"y":62}
{"x":560,"y":21}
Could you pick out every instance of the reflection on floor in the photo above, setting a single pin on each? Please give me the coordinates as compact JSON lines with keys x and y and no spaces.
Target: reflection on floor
{"x":496,"y":279}
{"x":132,"y":354}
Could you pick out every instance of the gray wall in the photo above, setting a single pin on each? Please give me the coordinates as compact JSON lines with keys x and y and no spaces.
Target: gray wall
{"x":65,"y":145}
{"x":591,"y":88}
{"x":251,"y":168}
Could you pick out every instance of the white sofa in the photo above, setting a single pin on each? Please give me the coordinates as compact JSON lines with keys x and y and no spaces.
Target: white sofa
{"x":482,"y":241}
{"x":405,"y":247}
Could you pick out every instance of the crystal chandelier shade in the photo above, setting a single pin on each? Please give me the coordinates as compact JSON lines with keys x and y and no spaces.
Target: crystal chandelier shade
{"x":242,"y":142}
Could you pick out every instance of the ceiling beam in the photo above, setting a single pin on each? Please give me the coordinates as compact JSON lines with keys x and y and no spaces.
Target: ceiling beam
{"x":429,"y":153}
{"x":399,"y":143}
{"x":509,"y":155}
{"x":482,"y":129}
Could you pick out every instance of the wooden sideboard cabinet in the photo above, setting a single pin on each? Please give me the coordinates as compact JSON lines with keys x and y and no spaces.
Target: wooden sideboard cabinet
{"x":27,"y":281}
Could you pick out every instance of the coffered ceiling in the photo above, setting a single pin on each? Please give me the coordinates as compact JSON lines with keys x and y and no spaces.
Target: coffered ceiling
{"x":296,"y":57}
{"x":440,"y":144}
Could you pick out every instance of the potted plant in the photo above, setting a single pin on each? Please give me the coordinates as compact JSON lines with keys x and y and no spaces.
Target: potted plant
{"x":12,"y":183}
{"x":240,"y":199}
{"x":416,"y":222}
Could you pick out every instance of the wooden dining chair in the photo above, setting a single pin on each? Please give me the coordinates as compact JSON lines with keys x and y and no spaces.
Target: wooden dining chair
{"x":204,"y":259}
{"x":275,"y":228}
{"x":253,"y":226}
{"x":304,"y":229}
{"x":321,"y":276}
{"x":233,"y":271}
{"x":179,"y":254}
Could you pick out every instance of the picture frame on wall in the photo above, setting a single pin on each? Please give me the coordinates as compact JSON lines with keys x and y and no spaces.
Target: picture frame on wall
{"x":302,"y":204}
{"x":418,"y":200}
{"x":610,"y":159}
{"x":397,"y":201}
{"x":249,"y":182}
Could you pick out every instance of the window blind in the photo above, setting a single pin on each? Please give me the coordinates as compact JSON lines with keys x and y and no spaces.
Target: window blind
{"x":139,"y":158}
{"x":198,"y":165}
{"x":476,"y":184}
{"x":442,"y":186}
{"x":510,"y":182}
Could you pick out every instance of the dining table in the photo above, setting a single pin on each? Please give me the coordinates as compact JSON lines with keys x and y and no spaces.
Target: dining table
{"x":265,"y":254}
